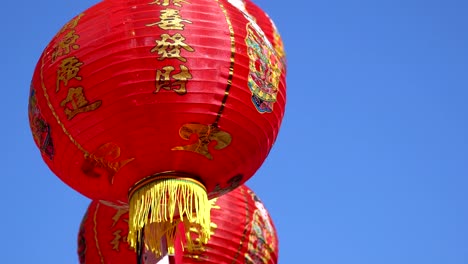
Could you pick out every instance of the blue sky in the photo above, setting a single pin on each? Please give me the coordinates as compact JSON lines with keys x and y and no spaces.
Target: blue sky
{"x":371,"y":162}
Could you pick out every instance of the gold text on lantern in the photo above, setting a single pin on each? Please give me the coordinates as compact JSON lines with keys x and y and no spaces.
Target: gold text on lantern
{"x":170,"y":19}
{"x":76,"y":102}
{"x":66,"y":44}
{"x":170,"y":47}
{"x":118,"y":215}
{"x":117,"y":239}
{"x":208,"y":137}
{"x":71,"y":24}
{"x":197,"y":250}
{"x":165,"y":79}
{"x":178,"y":3}
{"x":68,"y":41}
{"x":68,"y":70}
{"x":105,"y":161}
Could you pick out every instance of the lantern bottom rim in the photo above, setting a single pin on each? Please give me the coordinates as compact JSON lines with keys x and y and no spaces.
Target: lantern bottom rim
{"x":167,"y":175}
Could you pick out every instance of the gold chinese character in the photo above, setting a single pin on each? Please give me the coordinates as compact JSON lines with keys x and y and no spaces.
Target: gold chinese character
{"x":119,"y":214}
{"x":205,"y":135}
{"x":105,"y":161}
{"x":76,"y":103}
{"x":117,"y":239}
{"x":170,"y":19}
{"x":65,"y":45}
{"x":72,"y":24}
{"x":197,"y":249}
{"x":178,"y":82}
{"x":68,"y":70}
{"x":169,"y":47}
{"x":168,"y":2}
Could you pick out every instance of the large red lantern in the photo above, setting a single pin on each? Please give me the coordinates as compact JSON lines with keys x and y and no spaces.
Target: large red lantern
{"x":161,"y":104}
{"x":242,"y":231}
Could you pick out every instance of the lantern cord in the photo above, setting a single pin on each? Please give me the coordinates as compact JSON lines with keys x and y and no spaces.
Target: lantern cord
{"x":156,"y":208}
{"x":139,"y":249}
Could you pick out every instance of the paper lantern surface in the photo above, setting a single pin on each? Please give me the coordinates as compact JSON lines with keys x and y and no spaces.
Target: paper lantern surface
{"x":242,"y":232}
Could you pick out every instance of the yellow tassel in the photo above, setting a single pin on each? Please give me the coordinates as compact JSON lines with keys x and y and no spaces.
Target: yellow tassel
{"x":158,"y":205}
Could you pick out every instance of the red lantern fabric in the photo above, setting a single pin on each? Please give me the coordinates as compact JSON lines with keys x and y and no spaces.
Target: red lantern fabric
{"x":159,"y":104}
{"x":242,"y":232}
{"x":102,"y":238}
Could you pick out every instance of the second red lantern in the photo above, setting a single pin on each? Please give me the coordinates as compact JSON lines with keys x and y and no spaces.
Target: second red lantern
{"x":242,"y":232}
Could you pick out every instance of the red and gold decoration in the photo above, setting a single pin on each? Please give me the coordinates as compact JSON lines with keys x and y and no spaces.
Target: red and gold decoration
{"x":158,"y":104}
{"x":268,"y":27}
{"x":265,"y":23}
{"x":241,"y":229}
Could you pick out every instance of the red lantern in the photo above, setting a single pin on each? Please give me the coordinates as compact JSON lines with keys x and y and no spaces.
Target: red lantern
{"x":242,"y":231}
{"x":159,"y":104}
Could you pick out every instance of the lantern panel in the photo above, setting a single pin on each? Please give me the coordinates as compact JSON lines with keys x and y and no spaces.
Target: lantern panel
{"x":242,"y":231}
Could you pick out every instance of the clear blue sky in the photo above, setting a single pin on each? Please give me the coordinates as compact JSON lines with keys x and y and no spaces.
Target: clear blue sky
{"x":371,"y":163}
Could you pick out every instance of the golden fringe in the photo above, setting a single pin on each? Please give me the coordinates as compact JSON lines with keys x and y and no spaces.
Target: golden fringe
{"x":158,"y":207}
